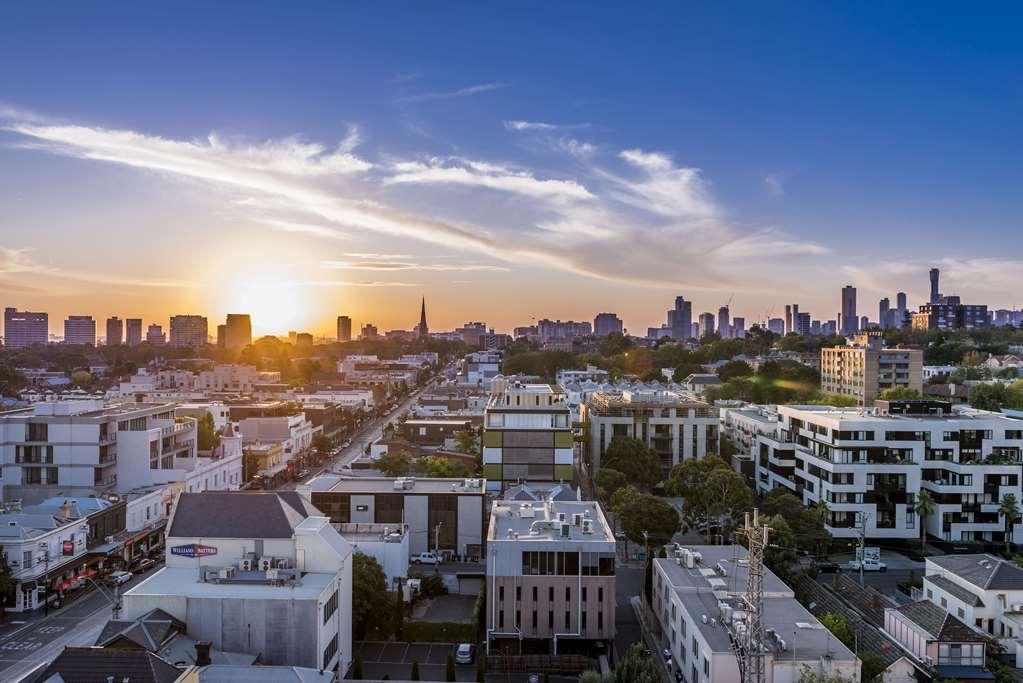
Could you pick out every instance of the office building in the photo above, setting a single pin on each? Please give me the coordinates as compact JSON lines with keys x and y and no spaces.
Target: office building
{"x":344,"y":328}
{"x":558,"y":330}
{"x":777,"y":325}
{"x":870,"y":465}
{"x":188,"y":330}
{"x":849,"y":322}
{"x":950,"y":314}
{"x":680,"y":319}
{"x":155,"y":336}
{"x":261,"y":573}
{"x":739,"y":328}
{"x":676,"y":427}
{"x":115,"y":331}
{"x":607,"y":323}
{"x":864,"y":368}
{"x":935,"y":290}
{"x":25,"y":328}
{"x":550,"y":577}
{"x":698,"y":598}
{"x":802,"y":323}
{"x":369,"y":331}
{"x":706,"y":324}
{"x":864,"y":323}
{"x":80,"y":329}
{"x":788,"y":319}
{"x":527,"y":434}
{"x":237,"y":331}
{"x":442,"y":515}
{"x":884,"y":313}
{"x":133,"y":331}
{"x":900,"y":309}
{"x":724,"y":324}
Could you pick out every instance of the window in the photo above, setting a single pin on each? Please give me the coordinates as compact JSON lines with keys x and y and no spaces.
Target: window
{"x":706,"y":667}
{"x":500,"y":594}
{"x":550,"y":619}
{"x":534,"y":619}
{"x":582,"y":622}
{"x":329,"y":652}
{"x":568,"y":619}
{"x":500,"y":619}
{"x":600,"y":621}
{"x":550,"y":594}
{"x":600,"y":594}
{"x":518,"y":618}
{"x":518,"y":593}
{"x":534,"y":594}
{"x":330,"y":607}
{"x":568,"y":594}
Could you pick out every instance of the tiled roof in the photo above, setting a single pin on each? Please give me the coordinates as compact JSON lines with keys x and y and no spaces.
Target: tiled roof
{"x":150,"y":631}
{"x":99,"y":665}
{"x":239,"y":514}
{"x":955,"y":590}
{"x":982,"y":570}
{"x":942,"y":626}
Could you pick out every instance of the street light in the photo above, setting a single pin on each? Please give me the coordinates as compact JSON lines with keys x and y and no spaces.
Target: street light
{"x":43,"y":546}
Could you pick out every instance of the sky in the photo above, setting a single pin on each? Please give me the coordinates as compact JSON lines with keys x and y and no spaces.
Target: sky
{"x":508,"y":163}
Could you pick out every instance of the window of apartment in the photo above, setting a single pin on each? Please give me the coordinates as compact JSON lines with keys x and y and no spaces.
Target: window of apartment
{"x":51,"y":475}
{"x":329,"y":652}
{"x":568,"y":594}
{"x":26,"y":559}
{"x":600,"y":594}
{"x":696,"y":647}
{"x":33,"y":475}
{"x":600,"y":621}
{"x":568,"y":619}
{"x":518,"y":593}
{"x":550,"y":619}
{"x":328,"y":609}
{"x":500,"y":618}
{"x":944,"y":603}
{"x":706,"y":667}
{"x":534,"y":620}
{"x":36,"y":431}
{"x":584,"y":593}
{"x":500,"y":593}
{"x":550,"y":594}
{"x":518,"y":619}
{"x":534,"y":594}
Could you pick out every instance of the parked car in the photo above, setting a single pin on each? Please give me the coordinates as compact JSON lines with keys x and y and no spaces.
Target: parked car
{"x":119,"y":578}
{"x":347,"y":443}
{"x":426,"y":558}
{"x":667,"y":654}
{"x":145,"y":565}
{"x":464,"y":653}
{"x":302,"y":474}
{"x":868,"y":566}
{"x":829,"y":567}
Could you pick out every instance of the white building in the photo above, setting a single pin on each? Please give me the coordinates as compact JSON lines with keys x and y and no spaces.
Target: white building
{"x":697,"y":597}
{"x":930,"y":371}
{"x":591,"y":374}
{"x":478,"y":369}
{"x":260,"y":573}
{"x":235,"y":379}
{"x":876,"y":461}
{"x":361,"y":398}
{"x":293,"y":432}
{"x":388,"y":544}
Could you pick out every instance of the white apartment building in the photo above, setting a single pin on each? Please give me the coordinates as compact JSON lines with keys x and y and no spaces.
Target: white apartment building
{"x":388,"y":544}
{"x":293,"y":432}
{"x":527,"y":434}
{"x":550,"y":576}
{"x":478,"y":369}
{"x":78,"y":448}
{"x":675,"y":426}
{"x":260,"y":573}
{"x":929,"y":371}
{"x":145,"y":381}
{"x":591,"y":374}
{"x":697,"y":597}
{"x":361,"y":398}
{"x":876,"y":461}
{"x":218,"y":410}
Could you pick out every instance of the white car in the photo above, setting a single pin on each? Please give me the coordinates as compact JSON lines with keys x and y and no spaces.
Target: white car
{"x":426,"y":558}
{"x":463,"y":655}
{"x":119,"y":578}
{"x":868,"y":566}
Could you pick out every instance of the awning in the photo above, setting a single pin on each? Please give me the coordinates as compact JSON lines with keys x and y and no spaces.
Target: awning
{"x":105,"y":549}
{"x":75,"y":581}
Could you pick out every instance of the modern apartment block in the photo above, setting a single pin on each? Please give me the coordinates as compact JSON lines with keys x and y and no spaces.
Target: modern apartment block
{"x":550,"y":577}
{"x":442,"y":515}
{"x":865,"y":368}
{"x":874,"y":463}
{"x":698,"y":599}
{"x":344,"y":328}
{"x":677,"y":427}
{"x":950,"y":314}
{"x":188,"y":330}
{"x":237,"y":330}
{"x":606,"y":323}
{"x":78,"y":448}
{"x":133,"y":331}
{"x":155,"y":336}
{"x":80,"y":329}
{"x":479,"y":368}
{"x":115,"y":331}
{"x":25,"y":328}
{"x":527,"y":434}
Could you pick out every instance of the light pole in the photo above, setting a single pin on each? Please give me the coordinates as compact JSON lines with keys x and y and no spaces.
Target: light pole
{"x":436,"y":538}
{"x":45,"y":548}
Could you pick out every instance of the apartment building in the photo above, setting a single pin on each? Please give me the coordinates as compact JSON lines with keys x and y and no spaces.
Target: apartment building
{"x":676,"y":427}
{"x":80,"y":329}
{"x":949,"y":313}
{"x":237,"y":331}
{"x":293,"y":432}
{"x":479,"y":369}
{"x":698,"y":600}
{"x":527,"y":434}
{"x":870,"y":465}
{"x":25,"y":328}
{"x":344,"y":328}
{"x":607,"y":323}
{"x":981,"y":590}
{"x":442,"y":515}
{"x":742,"y":425}
{"x":188,"y":330}
{"x":234,"y":379}
{"x":550,"y":577}
{"x":155,"y":336}
{"x":865,"y":368}
{"x":133,"y":331}
{"x":78,"y":448}
{"x":260,"y":573}
{"x":115,"y":331}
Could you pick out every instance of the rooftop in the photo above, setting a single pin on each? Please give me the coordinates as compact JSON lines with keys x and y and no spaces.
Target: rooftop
{"x":239,"y":514}
{"x":100,"y":665}
{"x":523,"y":521}
{"x":941,"y":625}
{"x":185,"y":582}
{"x":961,"y":414}
{"x":984,"y":571}
{"x":340,"y":484}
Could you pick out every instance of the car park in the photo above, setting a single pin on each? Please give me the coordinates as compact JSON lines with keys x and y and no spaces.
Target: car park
{"x":464,"y":653}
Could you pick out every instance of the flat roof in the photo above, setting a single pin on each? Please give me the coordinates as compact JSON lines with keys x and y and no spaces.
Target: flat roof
{"x":437,"y":422}
{"x":871,"y":415}
{"x":184,"y":582}
{"x":336,"y":483}
{"x":522,"y":521}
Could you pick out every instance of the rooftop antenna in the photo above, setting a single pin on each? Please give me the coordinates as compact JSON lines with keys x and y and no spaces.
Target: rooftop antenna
{"x":750,"y":646}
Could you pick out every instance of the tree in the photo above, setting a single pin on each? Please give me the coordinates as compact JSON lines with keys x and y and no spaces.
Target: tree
{"x":632,"y":458}
{"x":357,"y":667}
{"x":609,"y":481}
{"x":988,"y":397}
{"x":733,"y":369}
{"x":450,"y":668}
{"x":81,"y":378}
{"x":780,"y":555}
{"x":444,"y":468}
{"x":414,"y":676}
{"x":872,"y":666}
{"x":808,"y":675}
{"x":466,"y":441}
{"x":369,"y":596}
{"x":924,"y":508}
{"x":322,"y":443}
{"x":900,"y":394}
{"x":399,"y":614}
{"x":481,"y":668}
{"x":396,"y":464}
{"x":709,"y":488}
{"x":646,"y":512}
{"x":637,"y":667}
{"x":840,"y":627}
{"x":1009,"y":509}
{"x":207,"y":435}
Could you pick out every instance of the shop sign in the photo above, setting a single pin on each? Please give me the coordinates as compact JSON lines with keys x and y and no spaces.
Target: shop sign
{"x":193,"y":550}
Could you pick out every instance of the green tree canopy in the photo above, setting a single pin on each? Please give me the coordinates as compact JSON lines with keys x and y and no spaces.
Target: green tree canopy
{"x":632,"y":458}
{"x":645,"y":512}
{"x":733,"y":369}
{"x":840,"y":627}
{"x":710,"y":489}
{"x":207,"y":435}
{"x":370,"y":602}
{"x":608,"y":481}
{"x":394,"y":464}
{"x":900,"y":394}
{"x":443,"y":468}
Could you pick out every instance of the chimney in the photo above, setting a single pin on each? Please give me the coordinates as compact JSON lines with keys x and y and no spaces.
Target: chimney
{"x":202,"y":653}
{"x":65,"y":510}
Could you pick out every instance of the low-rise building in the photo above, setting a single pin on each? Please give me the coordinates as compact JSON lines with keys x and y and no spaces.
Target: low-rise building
{"x":864,"y":368}
{"x":388,"y":544}
{"x":698,"y":382}
{"x":698,"y":600}
{"x":550,"y":577}
{"x":433,"y":432}
{"x":260,"y":573}
{"x":479,"y":369}
{"x":938,"y":642}
{"x":984,"y":591}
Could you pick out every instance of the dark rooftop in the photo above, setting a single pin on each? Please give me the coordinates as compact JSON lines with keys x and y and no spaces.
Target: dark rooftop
{"x":954,"y":589}
{"x":982,"y":570}
{"x":99,"y":665}
{"x":239,"y":514}
{"x":940,"y":624}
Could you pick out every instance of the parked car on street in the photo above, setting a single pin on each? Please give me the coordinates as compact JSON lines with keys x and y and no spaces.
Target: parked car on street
{"x":119,"y":578}
{"x":829,"y":567}
{"x":464,"y":653}
{"x":868,"y":566}
{"x":426,"y":558}
{"x":145,"y":565}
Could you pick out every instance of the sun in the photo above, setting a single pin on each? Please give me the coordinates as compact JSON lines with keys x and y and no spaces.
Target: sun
{"x":275,"y":304}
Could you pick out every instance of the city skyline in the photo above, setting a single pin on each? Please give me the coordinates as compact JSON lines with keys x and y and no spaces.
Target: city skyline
{"x":408,"y":173}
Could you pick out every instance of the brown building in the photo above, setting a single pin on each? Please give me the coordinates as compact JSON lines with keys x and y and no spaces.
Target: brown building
{"x":866,"y":368}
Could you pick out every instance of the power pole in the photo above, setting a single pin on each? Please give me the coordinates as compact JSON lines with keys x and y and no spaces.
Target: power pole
{"x":863,"y":538}
{"x":750,"y":645}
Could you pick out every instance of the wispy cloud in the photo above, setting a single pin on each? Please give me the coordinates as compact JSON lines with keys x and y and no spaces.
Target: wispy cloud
{"x":410,"y":265}
{"x":451,"y":94}
{"x":15,"y":262}
{"x":377,"y":257}
{"x":775,"y":184}
{"x":306,"y":228}
{"x":454,"y":171}
{"x":663,"y":187}
{"x":529,"y":125}
{"x":343,"y":283}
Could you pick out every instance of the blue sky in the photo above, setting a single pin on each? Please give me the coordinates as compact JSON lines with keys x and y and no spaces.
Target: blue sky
{"x":535,"y":160}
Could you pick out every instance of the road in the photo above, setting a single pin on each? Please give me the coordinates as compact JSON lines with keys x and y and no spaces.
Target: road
{"x":23,"y":646}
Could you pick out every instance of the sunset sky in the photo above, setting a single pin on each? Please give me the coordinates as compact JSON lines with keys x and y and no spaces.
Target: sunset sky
{"x":541,"y":160}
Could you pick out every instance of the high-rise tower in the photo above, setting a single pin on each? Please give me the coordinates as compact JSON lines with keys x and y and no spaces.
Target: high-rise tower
{"x":935,"y":294}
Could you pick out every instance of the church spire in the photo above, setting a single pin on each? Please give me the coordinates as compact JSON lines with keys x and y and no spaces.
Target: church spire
{"x":423,"y":329}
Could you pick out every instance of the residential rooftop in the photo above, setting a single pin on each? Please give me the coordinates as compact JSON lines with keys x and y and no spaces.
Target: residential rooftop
{"x":186,"y":582}
{"x":341,"y":484}
{"x":525,"y":521}
{"x":984,"y":571}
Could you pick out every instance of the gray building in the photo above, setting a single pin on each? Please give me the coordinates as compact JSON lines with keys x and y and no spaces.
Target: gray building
{"x":606,"y":323}
{"x":850,"y":324}
{"x":115,"y":331}
{"x":188,"y":330}
{"x":344,"y":328}
{"x":25,"y":328}
{"x":680,"y":319}
{"x":133,"y":331}
{"x":80,"y":329}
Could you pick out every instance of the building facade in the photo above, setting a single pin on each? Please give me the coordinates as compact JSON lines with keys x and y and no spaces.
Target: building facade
{"x":237,"y":330}
{"x":25,"y":328}
{"x":188,"y":330}
{"x":133,"y":331}
{"x":344,"y":328}
{"x":864,"y":368}
{"x":80,"y":329}
{"x":115,"y":331}
{"x":607,"y":323}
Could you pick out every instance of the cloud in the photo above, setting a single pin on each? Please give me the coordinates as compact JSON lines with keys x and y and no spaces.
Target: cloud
{"x":528,"y":125}
{"x":451,"y":94}
{"x":775,"y":184}
{"x":580,"y":150}
{"x":663,"y":188}
{"x":409,"y":265}
{"x":343,"y":283}
{"x":377,"y":257}
{"x":306,"y":228}
{"x":19,"y":262}
{"x":454,"y":171}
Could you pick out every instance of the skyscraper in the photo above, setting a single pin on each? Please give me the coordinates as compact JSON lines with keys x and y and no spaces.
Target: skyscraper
{"x":935,"y":293}
{"x":884,"y":313}
{"x":24,"y":328}
{"x":80,"y":329}
{"x":188,"y":330}
{"x":238,"y":330}
{"x":739,"y":328}
{"x":802,"y":324}
{"x":682,"y":320}
{"x":606,"y":323}
{"x":849,"y":322}
{"x":155,"y":336}
{"x":706,"y":323}
{"x":788,"y":318}
{"x":344,"y":328}
{"x":133,"y":331}
{"x":900,"y":309}
{"x":422,"y":329}
{"x":795,"y":318}
{"x":115,"y":331}
{"x":724,"y":325}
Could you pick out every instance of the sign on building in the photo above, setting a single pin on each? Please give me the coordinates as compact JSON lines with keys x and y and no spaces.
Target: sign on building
{"x":193,"y":550}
